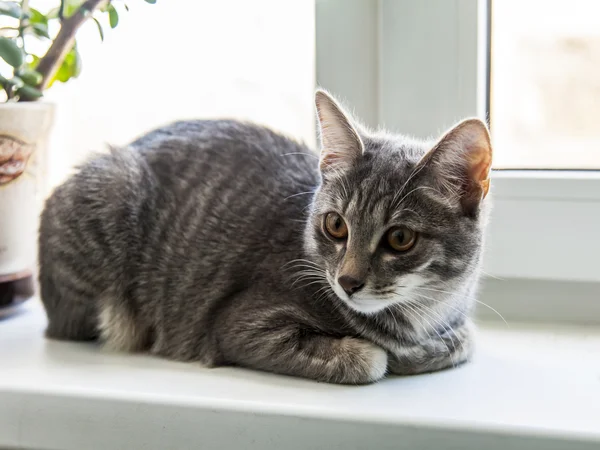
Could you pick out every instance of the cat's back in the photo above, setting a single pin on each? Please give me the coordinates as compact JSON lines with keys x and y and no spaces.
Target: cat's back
{"x":210,"y":204}
{"x":236,"y":152}
{"x":228,"y":192}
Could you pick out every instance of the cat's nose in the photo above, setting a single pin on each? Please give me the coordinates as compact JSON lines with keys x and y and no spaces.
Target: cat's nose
{"x":350,"y":284}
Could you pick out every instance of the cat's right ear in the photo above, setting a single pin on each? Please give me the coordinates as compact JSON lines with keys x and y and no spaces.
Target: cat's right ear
{"x":341,"y":145}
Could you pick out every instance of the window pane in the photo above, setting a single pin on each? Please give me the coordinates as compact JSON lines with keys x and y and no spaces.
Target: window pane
{"x":545,"y":84}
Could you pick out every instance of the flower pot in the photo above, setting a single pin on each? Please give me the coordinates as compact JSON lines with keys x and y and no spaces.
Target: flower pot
{"x":24,"y":130}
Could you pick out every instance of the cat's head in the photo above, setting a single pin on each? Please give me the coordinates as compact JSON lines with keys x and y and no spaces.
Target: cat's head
{"x":397,"y":220}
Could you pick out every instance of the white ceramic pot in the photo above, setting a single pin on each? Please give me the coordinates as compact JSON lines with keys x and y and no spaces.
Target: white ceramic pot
{"x":24,"y":130}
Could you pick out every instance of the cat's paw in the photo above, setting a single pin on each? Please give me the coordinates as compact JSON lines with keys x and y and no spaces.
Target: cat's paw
{"x":447,"y":350}
{"x":368,"y":361}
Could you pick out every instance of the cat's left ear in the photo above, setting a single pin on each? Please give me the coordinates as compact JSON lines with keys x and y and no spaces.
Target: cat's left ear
{"x":461,"y":162}
{"x":341,"y":146}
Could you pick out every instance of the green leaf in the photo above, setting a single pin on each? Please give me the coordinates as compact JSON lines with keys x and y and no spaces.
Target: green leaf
{"x":152,"y":2}
{"x":113,"y":16}
{"x":3,"y":81}
{"x":40,"y":29}
{"x":76,"y":63}
{"x":100,"y":30}
{"x":53,"y":13}
{"x":70,"y":67}
{"x":29,"y":92}
{"x":10,"y":9}
{"x":34,"y":62}
{"x":30,"y":77}
{"x":71,"y":6}
{"x":38,"y":23}
{"x":37,"y":17}
{"x":10,"y":52}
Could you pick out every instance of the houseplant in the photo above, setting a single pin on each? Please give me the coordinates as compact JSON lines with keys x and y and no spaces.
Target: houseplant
{"x":25,"y":119}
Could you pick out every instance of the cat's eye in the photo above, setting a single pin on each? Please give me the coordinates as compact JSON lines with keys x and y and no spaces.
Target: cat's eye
{"x":335,"y":226}
{"x":401,"y":239}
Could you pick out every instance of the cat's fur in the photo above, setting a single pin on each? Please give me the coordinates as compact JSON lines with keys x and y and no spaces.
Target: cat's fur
{"x":203,"y":241}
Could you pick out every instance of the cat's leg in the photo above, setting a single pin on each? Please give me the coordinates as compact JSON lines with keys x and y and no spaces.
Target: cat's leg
{"x":292,"y":350}
{"x":120,"y":327}
{"x":452,"y":348}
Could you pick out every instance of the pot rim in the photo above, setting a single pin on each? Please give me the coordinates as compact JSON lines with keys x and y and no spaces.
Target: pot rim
{"x":28,"y":105}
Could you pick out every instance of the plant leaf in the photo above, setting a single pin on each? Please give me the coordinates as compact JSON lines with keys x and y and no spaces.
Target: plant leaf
{"x":71,"y":6}
{"x":70,"y":67}
{"x":38,"y":23}
{"x":10,"y":9}
{"x":100,"y":30}
{"x":29,"y":92}
{"x":11,"y":52}
{"x":152,"y":2}
{"x":76,"y":62}
{"x":113,"y":16}
{"x":53,"y":13}
{"x":30,"y":77}
{"x":37,"y":17}
{"x":34,"y":62}
{"x":40,"y":29}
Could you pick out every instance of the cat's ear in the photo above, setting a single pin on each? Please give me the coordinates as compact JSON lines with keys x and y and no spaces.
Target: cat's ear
{"x":341,"y":145}
{"x":461,"y":162}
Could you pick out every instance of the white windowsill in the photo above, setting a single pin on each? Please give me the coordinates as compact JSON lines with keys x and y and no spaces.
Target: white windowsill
{"x":526,"y":387}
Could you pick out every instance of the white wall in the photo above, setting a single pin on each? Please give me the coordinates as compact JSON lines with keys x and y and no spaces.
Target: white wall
{"x":187,"y":59}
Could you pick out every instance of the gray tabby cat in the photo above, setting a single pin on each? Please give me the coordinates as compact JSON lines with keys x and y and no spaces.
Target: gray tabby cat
{"x":228,"y":244}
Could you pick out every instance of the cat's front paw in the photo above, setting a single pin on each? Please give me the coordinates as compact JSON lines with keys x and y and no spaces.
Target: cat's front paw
{"x":368,"y":362}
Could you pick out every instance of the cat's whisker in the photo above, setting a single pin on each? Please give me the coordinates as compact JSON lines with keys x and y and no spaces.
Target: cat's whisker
{"x":443,"y":198}
{"x":445,"y":303}
{"x":298,"y":194}
{"x":476,"y":267}
{"x":410,"y":177}
{"x":310,"y":272}
{"x":308,"y":277}
{"x":443,"y":322}
{"x":408,"y":305}
{"x":321,"y":281}
{"x":303,"y":154}
{"x":471,"y":298}
{"x":300,"y":268}
{"x":419,"y":322}
{"x":489,"y":275}
{"x":438,"y":321}
{"x":307,"y":261}
{"x":403,"y":210}
{"x":450,"y":354}
{"x":306,"y":269}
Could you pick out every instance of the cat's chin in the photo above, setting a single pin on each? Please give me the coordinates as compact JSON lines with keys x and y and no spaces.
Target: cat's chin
{"x":367,"y":307}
